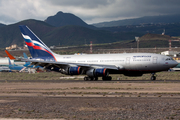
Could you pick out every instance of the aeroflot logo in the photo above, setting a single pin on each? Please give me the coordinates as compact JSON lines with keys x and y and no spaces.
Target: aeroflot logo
{"x":35,"y":44}
{"x":141,"y":56}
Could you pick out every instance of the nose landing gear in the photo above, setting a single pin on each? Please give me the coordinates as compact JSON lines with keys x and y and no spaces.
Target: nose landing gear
{"x":153,"y":77}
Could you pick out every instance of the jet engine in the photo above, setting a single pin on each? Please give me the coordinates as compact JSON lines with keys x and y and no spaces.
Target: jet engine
{"x":75,"y":70}
{"x":97,"y":72}
{"x":72,"y":71}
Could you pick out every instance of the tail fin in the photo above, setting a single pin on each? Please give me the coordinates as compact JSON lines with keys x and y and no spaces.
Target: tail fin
{"x":36,"y":47}
{"x":26,"y":57}
{"x":9,"y":62}
{"x":9,"y":55}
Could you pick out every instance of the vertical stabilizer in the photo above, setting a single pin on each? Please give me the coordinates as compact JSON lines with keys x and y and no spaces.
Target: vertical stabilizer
{"x":26,"y":57}
{"x":36,"y":47}
{"x":9,"y":62}
{"x":9,"y":55}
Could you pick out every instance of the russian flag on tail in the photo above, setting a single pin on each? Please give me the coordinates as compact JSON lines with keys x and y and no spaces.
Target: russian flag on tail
{"x":36,"y":47}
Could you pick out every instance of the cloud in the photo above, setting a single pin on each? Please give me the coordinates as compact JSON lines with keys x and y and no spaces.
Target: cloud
{"x":90,"y":4}
{"x":91,"y":11}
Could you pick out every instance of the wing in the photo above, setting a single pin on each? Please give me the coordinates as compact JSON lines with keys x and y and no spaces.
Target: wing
{"x":62,"y":65}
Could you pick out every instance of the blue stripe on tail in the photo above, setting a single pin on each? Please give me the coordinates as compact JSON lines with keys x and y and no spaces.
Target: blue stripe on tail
{"x":36,"y":47}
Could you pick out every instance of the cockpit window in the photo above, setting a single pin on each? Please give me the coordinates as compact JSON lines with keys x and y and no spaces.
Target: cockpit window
{"x":167,"y":59}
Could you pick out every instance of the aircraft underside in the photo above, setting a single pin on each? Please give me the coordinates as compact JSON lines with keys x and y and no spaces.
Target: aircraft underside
{"x":95,"y":74}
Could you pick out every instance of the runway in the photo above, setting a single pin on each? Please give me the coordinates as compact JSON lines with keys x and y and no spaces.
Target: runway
{"x":99,"y":81}
{"x":79,"y":99}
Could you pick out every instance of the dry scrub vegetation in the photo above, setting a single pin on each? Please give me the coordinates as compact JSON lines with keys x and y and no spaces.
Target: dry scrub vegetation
{"x":58,"y":76}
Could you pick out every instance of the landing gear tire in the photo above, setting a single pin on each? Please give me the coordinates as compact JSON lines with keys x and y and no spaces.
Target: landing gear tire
{"x":108,"y":78}
{"x":153,"y":78}
{"x":86,"y":78}
{"x":96,"y":79}
{"x":90,"y":78}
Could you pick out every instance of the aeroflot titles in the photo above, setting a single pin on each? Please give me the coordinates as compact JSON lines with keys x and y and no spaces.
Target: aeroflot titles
{"x":141,"y":56}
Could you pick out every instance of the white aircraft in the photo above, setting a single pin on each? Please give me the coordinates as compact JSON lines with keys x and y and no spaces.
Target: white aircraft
{"x":95,"y":65}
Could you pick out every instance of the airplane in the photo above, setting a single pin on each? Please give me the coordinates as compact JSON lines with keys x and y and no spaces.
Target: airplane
{"x":29,"y":66}
{"x":26,"y":65}
{"x":9,"y":55}
{"x":15,"y":67}
{"x":95,"y":65}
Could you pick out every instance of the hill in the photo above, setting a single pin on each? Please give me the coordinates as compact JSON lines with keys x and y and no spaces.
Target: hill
{"x":142,"y":20}
{"x":69,"y":32}
{"x":64,"y":19}
{"x":10,"y":34}
{"x":67,"y":35}
{"x":1,"y":25}
{"x":170,"y":29}
{"x":150,"y":36}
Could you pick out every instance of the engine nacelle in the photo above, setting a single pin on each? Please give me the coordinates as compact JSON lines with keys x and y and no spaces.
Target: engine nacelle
{"x":74,"y":70}
{"x":97,"y":72}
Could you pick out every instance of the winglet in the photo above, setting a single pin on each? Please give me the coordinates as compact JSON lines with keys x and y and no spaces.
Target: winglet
{"x":9,"y":55}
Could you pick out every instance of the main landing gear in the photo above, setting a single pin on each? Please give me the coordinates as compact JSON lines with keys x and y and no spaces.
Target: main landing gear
{"x":153,"y":77}
{"x":107,"y":78}
{"x":90,"y":78}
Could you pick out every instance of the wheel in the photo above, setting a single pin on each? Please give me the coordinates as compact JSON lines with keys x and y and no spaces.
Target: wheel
{"x":104,"y":78}
{"x":108,"y":78}
{"x":85,"y":79}
{"x":96,"y":78}
{"x":91,"y":78}
{"x":153,"y":78}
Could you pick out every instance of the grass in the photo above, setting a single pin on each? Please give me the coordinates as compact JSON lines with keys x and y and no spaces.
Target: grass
{"x":56,"y":76}
{"x":27,"y":76}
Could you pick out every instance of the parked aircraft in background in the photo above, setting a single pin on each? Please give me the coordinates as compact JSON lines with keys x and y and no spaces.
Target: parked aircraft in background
{"x":26,"y":65}
{"x":15,"y":67}
{"x":9,"y":55}
{"x":4,"y":69}
{"x":14,"y":59}
{"x":95,"y":65}
{"x":5,"y":62}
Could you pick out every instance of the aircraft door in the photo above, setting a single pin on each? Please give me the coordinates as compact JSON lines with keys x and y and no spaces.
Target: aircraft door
{"x":155,"y":60}
{"x":128,"y":60}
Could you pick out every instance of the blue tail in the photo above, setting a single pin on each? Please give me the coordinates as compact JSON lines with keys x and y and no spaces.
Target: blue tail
{"x":36,"y":47}
{"x":25,"y":56}
{"x":27,"y":63}
{"x":9,"y":62}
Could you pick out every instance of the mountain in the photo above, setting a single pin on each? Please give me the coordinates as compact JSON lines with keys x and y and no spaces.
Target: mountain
{"x":170,"y":29}
{"x":64,"y":19}
{"x":1,"y":25}
{"x":143,"y":20}
{"x":10,"y":34}
{"x":66,"y":35}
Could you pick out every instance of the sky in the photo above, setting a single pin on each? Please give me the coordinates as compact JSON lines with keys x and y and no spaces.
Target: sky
{"x":90,"y":11}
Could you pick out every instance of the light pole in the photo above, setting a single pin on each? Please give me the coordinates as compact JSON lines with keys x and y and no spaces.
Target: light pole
{"x":137,"y":40}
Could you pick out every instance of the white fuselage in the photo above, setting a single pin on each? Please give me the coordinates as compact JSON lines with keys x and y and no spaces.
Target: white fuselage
{"x":127,"y":61}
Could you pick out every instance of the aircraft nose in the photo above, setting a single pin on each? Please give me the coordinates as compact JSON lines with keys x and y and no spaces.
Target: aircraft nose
{"x":174,"y":63}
